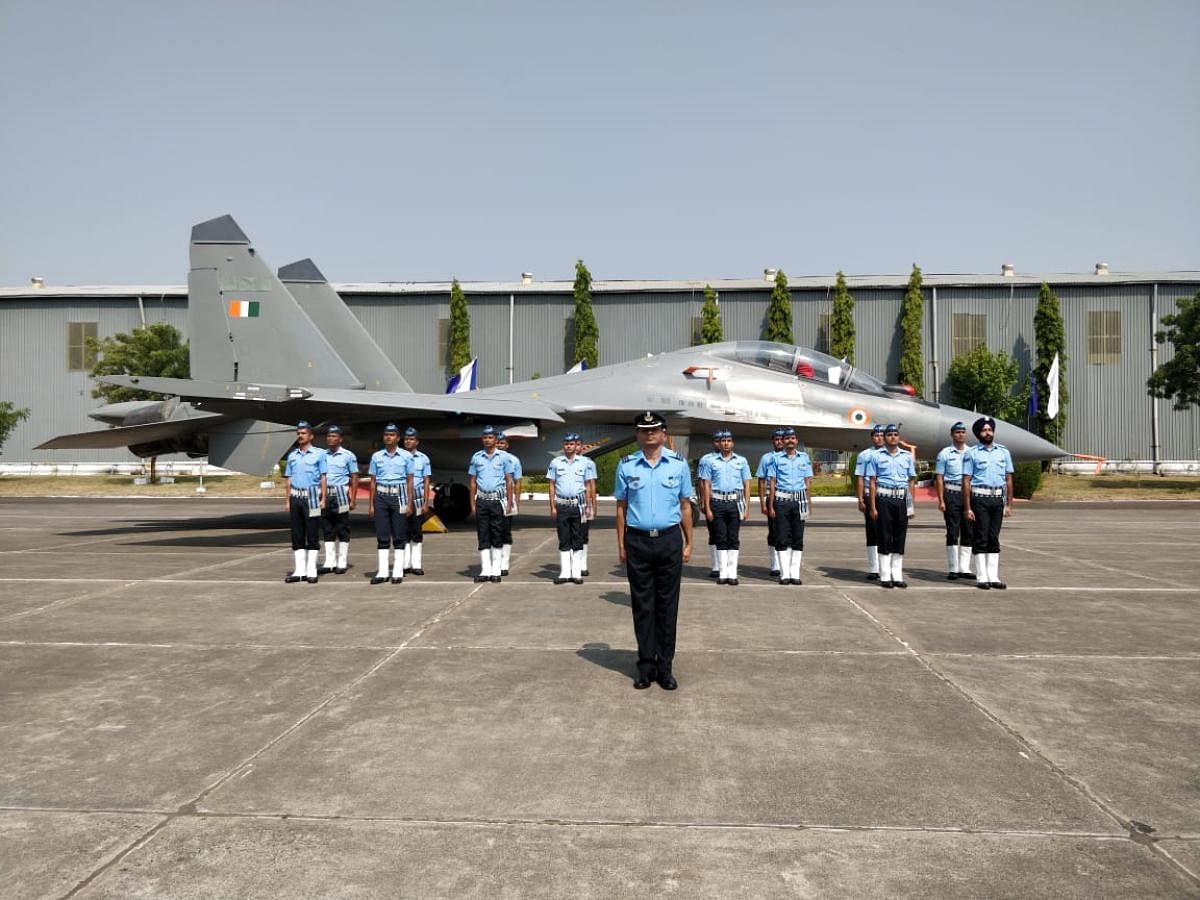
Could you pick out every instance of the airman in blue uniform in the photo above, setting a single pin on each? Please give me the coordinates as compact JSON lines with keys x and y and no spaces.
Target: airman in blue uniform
{"x":863,"y":489}
{"x":892,"y":473}
{"x":789,"y":484}
{"x":422,"y":502}
{"x":571,"y":478}
{"x":724,"y":479}
{"x":518,"y":473}
{"x":491,"y":473}
{"x":654,"y":539}
{"x":987,"y":496}
{"x":761,"y":474}
{"x":391,"y":472}
{"x":714,"y":569}
{"x":304,"y":480}
{"x":948,"y":477}
{"x":341,"y":487}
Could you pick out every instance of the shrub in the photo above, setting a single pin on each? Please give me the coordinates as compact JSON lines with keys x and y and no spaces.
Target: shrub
{"x":1027,"y":479}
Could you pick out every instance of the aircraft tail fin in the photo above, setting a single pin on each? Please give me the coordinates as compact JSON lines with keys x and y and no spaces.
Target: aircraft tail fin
{"x":244,"y":325}
{"x":341,"y":327}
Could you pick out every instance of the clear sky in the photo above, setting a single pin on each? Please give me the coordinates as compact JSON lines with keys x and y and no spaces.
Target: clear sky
{"x":409,"y":141}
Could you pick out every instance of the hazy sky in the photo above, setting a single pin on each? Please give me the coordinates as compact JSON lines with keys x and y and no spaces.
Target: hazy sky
{"x":419,"y":141}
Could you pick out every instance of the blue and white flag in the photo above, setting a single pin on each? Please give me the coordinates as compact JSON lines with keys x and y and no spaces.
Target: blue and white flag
{"x":1052,"y":384}
{"x":1032,"y":409}
{"x":580,"y":366}
{"x":465,"y":379}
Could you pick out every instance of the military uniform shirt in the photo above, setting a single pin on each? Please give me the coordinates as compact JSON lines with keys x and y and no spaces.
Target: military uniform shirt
{"x":725,"y":475}
{"x":762,"y":464}
{"x":891,"y":471}
{"x":489,"y":471}
{"x":569,"y":476}
{"x":950,"y":464}
{"x":422,"y":470}
{"x":518,"y":471}
{"x":987,"y":468}
{"x":789,"y":472}
{"x":652,"y":493}
{"x":305,"y":467}
{"x":342,"y":464}
{"x":590,"y":474}
{"x":391,"y":468}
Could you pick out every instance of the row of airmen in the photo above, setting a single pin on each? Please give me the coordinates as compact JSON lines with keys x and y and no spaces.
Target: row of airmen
{"x":974,"y":488}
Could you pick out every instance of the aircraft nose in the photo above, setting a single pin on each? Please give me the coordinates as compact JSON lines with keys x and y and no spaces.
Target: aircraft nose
{"x":1021,"y":444}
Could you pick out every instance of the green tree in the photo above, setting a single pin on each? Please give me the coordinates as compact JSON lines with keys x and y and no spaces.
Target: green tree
{"x":459,"y":346}
{"x":9,"y":418}
{"x":587,"y":333}
{"x":1049,"y":335}
{"x":711,"y":331}
{"x":157,"y":349}
{"x":1178,"y":379}
{"x":841,"y":322}
{"x":779,"y":313}
{"x":983,"y":381}
{"x":912,"y":314}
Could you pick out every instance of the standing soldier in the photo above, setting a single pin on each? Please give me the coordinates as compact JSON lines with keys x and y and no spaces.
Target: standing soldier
{"x":892,"y":473}
{"x":511,"y":510}
{"x":569,"y":485}
{"x":342,"y":486}
{"x":789,"y":483}
{"x":589,"y":511}
{"x":948,"y":475}
{"x":304,"y":480}
{"x":761,"y":474}
{"x":391,"y":503}
{"x":714,"y":567}
{"x":987,"y":495}
{"x":863,"y":488}
{"x":724,"y":494}
{"x":654,"y":539}
{"x":422,"y":500}
{"x":491,"y":495}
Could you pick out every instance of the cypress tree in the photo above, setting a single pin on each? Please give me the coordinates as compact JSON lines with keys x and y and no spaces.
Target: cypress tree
{"x":460,"y":329}
{"x":711,"y":331}
{"x":841,"y":322}
{"x":912,"y":313}
{"x":1050,"y":337}
{"x":779,"y":313}
{"x":587,"y":333}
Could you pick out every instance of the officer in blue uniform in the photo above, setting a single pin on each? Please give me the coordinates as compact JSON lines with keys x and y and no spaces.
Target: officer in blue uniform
{"x":341,"y":487}
{"x":304,"y":480}
{"x":789,"y":485}
{"x":724,"y":479}
{"x":391,"y":472}
{"x":892,"y":473}
{"x":714,"y":569}
{"x":491,"y":473}
{"x":654,"y":539}
{"x":863,"y":489}
{"x":948,"y":477}
{"x":422,"y":501}
{"x":987,"y":496}
{"x":570,"y":481}
{"x":518,"y":473}
{"x":761,"y":474}
{"x":589,"y":511}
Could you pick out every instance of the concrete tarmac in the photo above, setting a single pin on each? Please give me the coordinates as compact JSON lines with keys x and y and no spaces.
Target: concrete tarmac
{"x":175,"y":721}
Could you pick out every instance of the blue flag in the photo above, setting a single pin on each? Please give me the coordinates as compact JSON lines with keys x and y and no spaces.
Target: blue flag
{"x":1033,"y":397}
{"x":465,"y":380}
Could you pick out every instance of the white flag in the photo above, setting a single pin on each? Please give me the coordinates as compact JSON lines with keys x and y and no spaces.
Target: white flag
{"x":580,"y":366}
{"x":1052,"y":383}
{"x":464,"y":380}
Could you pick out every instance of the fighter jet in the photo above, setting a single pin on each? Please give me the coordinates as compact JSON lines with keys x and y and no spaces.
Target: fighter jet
{"x":268,"y":350}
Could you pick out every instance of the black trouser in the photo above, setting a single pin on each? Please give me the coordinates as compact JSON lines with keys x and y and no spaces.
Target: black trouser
{"x":414,"y":522}
{"x":726,"y":525}
{"x":569,"y":523}
{"x":489,"y":523}
{"x":584,"y":528}
{"x":306,"y":529}
{"x":653,"y":566}
{"x":893,"y":523}
{"x":506,"y":530}
{"x":958,"y":526}
{"x":989,"y":515}
{"x":872,"y":530}
{"x":789,"y":527}
{"x":770,"y":532}
{"x":391,"y":524}
{"x":335,"y":525}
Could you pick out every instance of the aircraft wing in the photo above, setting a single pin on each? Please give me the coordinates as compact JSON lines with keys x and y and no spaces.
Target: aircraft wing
{"x":258,"y":401}
{"x":127,"y":435}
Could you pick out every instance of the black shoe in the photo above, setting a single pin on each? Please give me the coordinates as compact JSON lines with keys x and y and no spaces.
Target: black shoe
{"x":561,"y":580}
{"x":418,"y":571}
{"x":900,"y":584}
{"x":378,"y":580}
{"x":952,"y":576}
{"x":399,"y":580}
{"x":577,"y":581}
{"x":480,"y":579}
{"x":872,"y":576}
{"x":504,"y":572}
{"x":292,"y":579}
{"x":983,"y":586}
{"x":966,"y":576}
{"x":406,"y":571}
{"x":773,"y":573}
{"x":643,"y":681}
{"x":732,"y":581}
{"x":886,"y":584}
{"x":999,"y":586}
{"x":324,"y":570}
{"x":495,"y":579}
{"x":722,"y":581}
{"x":715,"y":573}
{"x":797,"y":581}
{"x":785,"y":581}
{"x":341,"y":571}
{"x":667,"y":681}
{"x":585,"y":573}
{"x":312,"y":580}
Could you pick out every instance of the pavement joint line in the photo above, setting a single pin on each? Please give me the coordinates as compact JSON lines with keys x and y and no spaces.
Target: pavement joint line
{"x":65,"y":601}
{"x":1116,"y":657}
{"x":1094,"y":564}
{"x":73,"y":545}
{"x":229,"y":562}
{"x":1131,"y":832}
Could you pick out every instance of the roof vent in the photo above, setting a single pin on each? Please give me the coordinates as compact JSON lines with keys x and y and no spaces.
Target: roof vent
{"x":769,"y":274}
{"x":1101,"y":268}
{"x":37,"y":281}
{"x":1008,"y":270}
{"x":526,"y":278}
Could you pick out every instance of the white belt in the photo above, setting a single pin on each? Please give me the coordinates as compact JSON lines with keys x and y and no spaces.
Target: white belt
{"x":392,"y":490}
{"x":489,"y":495}
{"x":891,"y":492}
{"x":987,"y":491}
{"x":566,"y":501}
{"x":299,"y":492}
{"x":730,"y":495}
{"x":786,"y":495}
{"x":952,"y":485}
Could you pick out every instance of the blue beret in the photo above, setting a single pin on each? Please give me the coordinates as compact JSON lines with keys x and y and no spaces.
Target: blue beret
{"x":410,"y":431}
{"x":390,"y":429}
{"x":878,"y":429}
{"x":891,"y":429}
{"x":334,"y":429}
{"x":779,"y":432}
{"x":650,"y":419}
{"x":488,"y":429}
{"x":571,"y":436}
{"x":303,"y":424}
{"x":722,"y":433}
{"x":787,"y":431}
{"x":980,"y":422}
{"x":958,"y":426}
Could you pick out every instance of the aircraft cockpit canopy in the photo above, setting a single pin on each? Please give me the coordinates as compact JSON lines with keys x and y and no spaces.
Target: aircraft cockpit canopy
{"x":804,"y":362}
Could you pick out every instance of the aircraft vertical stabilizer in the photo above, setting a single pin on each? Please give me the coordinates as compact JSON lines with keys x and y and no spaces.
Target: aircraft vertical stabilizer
{"x":341,"y":327}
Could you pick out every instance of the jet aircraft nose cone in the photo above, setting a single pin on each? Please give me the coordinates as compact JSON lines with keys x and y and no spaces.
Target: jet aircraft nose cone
{"x":1021,"y":444}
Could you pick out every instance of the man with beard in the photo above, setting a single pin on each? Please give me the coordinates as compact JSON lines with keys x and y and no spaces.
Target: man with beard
{"x":987,"y":497}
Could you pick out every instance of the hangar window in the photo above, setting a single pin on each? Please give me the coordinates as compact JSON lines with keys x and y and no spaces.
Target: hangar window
{"x":822,"y":344}
{"x":80,"y":357}
{"x":443,"y":339}
{"x":1104,"y":337}
{"x":968,"y":331}
{"x":697,"y":330}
